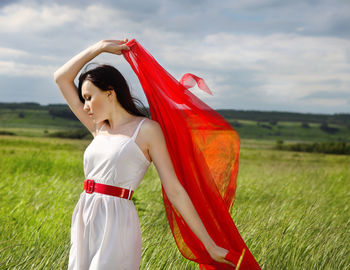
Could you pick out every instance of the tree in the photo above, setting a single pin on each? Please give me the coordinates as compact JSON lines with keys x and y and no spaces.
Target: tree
{"x":330,"y":130}
{"x":305,"y":124}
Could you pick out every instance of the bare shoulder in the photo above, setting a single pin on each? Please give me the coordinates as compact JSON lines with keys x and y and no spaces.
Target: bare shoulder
{"x":151,"y":124}
{"x":152,"y":131}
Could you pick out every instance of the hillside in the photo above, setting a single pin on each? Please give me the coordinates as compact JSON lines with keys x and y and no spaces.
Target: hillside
{"x":35,"y":120}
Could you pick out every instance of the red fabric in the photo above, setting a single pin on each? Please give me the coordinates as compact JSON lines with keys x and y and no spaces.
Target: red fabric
{"x":189,"y":80}
{"x":204,"y":151}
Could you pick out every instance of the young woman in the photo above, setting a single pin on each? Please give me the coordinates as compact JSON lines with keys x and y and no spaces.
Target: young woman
{"x":105,"y":232}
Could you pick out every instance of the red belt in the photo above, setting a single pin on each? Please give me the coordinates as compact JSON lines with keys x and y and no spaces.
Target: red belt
{"x":91,"y":186}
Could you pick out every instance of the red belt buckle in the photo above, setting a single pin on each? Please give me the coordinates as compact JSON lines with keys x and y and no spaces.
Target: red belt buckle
{"x":89,"y":186}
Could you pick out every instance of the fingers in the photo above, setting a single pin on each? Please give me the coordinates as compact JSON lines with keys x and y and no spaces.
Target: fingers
{"x":122,"y":44}
{"x":229,"y":258}
{"x":118,"y":42}
{"x":124,"y":47}
{"x":230,"y":263}
{"x":222,"y":260}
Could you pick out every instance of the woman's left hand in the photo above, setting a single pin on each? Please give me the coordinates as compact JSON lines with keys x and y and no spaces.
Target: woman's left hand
{"x":218,"y":254}
{"x":114,"y":46}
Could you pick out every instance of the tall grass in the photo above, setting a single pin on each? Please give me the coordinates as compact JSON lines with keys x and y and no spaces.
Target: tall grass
{"x":292,"y":209}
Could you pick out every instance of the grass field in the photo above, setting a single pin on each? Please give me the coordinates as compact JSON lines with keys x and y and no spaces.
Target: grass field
{"x":292,"y":209}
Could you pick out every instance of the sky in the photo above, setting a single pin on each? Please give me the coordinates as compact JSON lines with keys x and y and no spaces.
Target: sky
{"x":267,"y":55}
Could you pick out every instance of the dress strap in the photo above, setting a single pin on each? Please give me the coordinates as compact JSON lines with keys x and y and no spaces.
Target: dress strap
{"x":137,"y":129}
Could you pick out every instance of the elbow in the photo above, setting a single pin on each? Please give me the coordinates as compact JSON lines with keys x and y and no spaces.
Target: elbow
{"x":56,"y":76}
{"x":174,"y":193}
{"x":60,"y":76}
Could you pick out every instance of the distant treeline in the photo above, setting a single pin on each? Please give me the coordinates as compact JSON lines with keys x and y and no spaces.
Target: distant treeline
{"x":72,"y":134}
{"x":274,"y":117}
{"x":63,"y":110}
{"x":342,"y":148}
{"x":55,"y":110}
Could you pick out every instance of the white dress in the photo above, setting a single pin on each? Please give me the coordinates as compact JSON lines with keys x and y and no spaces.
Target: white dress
{"x":105,"y":230}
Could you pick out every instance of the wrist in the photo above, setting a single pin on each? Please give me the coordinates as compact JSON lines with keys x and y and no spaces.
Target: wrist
{"x":98,"y":47}
{"x":210,"y":245}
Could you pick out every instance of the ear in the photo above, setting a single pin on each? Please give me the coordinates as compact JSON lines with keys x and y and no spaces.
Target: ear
{"x":110,"y":93}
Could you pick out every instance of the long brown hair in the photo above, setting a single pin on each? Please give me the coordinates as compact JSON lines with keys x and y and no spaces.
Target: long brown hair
{"x":107,"y":77}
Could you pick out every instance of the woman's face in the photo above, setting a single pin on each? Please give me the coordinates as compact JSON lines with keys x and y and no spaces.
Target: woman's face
{"x":96,"y":101}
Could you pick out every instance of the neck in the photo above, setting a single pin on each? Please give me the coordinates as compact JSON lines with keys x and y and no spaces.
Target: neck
{"x":118,"y":116}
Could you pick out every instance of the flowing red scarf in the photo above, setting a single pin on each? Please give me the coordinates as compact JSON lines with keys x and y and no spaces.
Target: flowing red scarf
{"x":204,"y":151}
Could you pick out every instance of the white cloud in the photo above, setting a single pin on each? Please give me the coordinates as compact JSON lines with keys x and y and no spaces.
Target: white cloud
{"x":247,"y":53}
{"x":9,"y":52}
{"x":288,"y":66}
{"x":15,"y":69}
{"x":21,"y":18}
{"x":329,"y":102}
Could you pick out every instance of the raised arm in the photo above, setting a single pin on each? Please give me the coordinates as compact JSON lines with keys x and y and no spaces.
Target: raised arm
{"x":65,"y":75}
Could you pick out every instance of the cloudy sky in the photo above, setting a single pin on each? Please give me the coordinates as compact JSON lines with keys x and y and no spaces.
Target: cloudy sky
{"x":269,"y":55}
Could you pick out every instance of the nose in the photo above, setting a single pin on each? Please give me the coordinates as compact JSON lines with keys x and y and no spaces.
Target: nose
{"x":86,"y":107}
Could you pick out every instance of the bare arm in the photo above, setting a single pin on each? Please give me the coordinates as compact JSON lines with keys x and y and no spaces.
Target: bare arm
{"x":183,"y":204}
{"x":70,"y":70}
{"x":176,"y":193}
{"x":64,"y":76}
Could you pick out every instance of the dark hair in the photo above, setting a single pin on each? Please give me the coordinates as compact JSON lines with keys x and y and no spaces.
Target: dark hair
{"x":107,"y":77}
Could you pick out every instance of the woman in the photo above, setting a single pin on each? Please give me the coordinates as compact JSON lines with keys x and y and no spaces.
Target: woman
{"x":105,"y":231}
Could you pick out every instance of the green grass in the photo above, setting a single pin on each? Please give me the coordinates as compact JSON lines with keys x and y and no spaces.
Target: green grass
{"x":292,"y":209}
{"x":33,"y":118}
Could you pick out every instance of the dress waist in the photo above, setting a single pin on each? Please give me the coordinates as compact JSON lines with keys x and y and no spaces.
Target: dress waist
{"x":91,"y":186}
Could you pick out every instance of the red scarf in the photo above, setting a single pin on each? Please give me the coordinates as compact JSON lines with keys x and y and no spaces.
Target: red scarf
{"x":204,"y":150}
